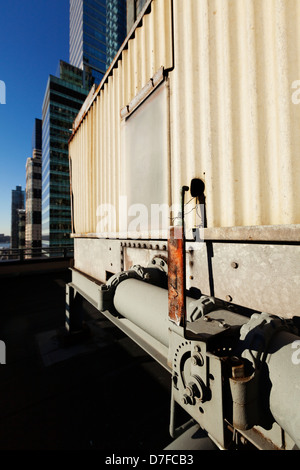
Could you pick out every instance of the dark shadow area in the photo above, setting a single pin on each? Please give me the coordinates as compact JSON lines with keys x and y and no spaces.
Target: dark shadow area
{"x":106,"y":394}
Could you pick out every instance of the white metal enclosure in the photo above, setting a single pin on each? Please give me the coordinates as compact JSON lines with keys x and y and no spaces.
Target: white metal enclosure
{"x":232,"y":69}
{"x":203,"y":90}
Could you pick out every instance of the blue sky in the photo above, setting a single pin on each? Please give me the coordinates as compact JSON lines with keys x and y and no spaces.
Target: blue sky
{"x":34,"y":36}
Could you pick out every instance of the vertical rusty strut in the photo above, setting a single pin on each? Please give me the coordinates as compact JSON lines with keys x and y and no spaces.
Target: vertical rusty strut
{"x":176,"y":269}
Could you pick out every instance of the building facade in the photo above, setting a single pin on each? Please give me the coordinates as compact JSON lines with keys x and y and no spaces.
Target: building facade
{"x":134,"y":8}
{"x":63,"y":99}
{"x":33,"y":235}
{"x":97,"y":30}
{"x":17,"y":202}
{"x":21,"y":227}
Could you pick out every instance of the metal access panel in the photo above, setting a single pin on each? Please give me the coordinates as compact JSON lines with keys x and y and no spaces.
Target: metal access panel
{"x":262,"y":277}
{"x":145,"y":160}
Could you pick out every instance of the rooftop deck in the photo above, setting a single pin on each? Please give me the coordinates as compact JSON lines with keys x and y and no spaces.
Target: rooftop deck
{"x":103,"y":393}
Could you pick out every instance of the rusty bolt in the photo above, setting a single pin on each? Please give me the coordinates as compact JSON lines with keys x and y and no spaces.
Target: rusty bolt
{"x":238,"y":369}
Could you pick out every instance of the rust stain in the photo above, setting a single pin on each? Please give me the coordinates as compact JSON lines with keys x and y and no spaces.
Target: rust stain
{"x":176,"y":276}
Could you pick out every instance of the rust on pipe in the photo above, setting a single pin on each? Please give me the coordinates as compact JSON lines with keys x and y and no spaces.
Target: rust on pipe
{"x":176,"y":275}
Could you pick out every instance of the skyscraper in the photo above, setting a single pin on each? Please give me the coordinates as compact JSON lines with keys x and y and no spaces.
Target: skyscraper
{"x":34,"y":190}
{"x":21,"y":227}
{"x":63,"y":99}
{"x":97,"y":30}
{"x":17,"y":202}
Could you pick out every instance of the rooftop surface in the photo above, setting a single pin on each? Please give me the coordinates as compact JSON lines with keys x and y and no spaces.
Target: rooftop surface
{"x":104,"y":393}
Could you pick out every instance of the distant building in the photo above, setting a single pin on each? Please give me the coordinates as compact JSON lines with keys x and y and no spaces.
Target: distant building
{"x":97,"y":30}
{"x":63,"y":99}
{"x":134,"y":8}
{"x":4,"y":238}
{"x":33,"y":232}
{"x":17,"y":202}
{"x":21,"y":227}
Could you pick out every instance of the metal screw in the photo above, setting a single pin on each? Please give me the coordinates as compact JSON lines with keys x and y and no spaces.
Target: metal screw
{"x":197,"y":360}
{"x":185,"y":400}
{"x":194,"y":360}
{"x":234,"y":265}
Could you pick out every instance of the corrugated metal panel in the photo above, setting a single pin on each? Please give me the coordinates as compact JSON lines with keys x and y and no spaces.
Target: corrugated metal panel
{"x":232,"y":118}
{"x":95,"y":148}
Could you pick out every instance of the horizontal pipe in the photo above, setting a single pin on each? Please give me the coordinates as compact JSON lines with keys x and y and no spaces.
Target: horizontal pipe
{"x":284,"y":368}
{"x":146,"y":306}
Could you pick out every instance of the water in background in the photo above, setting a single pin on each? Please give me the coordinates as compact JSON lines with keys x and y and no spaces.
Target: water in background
{"x":4,"y":246}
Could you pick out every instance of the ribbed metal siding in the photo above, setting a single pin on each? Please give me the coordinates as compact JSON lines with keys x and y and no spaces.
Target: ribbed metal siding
{"x":232,"y":119}
{"x":95,"y":150}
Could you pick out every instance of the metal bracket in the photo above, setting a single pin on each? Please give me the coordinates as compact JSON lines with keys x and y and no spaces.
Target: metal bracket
{"x":155,"y":275}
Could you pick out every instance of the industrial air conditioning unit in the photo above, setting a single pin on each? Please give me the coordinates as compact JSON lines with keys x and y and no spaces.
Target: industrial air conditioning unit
{"x":184,"y":167}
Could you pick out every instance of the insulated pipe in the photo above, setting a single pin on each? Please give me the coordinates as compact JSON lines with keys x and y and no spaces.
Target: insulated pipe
{"x":146,"y":306}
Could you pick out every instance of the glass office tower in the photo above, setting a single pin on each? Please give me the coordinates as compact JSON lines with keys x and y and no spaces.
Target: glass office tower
{"x":63,"y":99}
{"x":97,"y":30}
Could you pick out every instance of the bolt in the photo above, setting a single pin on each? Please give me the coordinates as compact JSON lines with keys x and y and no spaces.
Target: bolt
{"x":185,"y":400}
{"x":238,"y":371}
{"x":206,"y":318}
{"x":197,"y":360}
{"x":228,"y":298}
{"x":234,"y":265}
{"x":194,"y":360}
